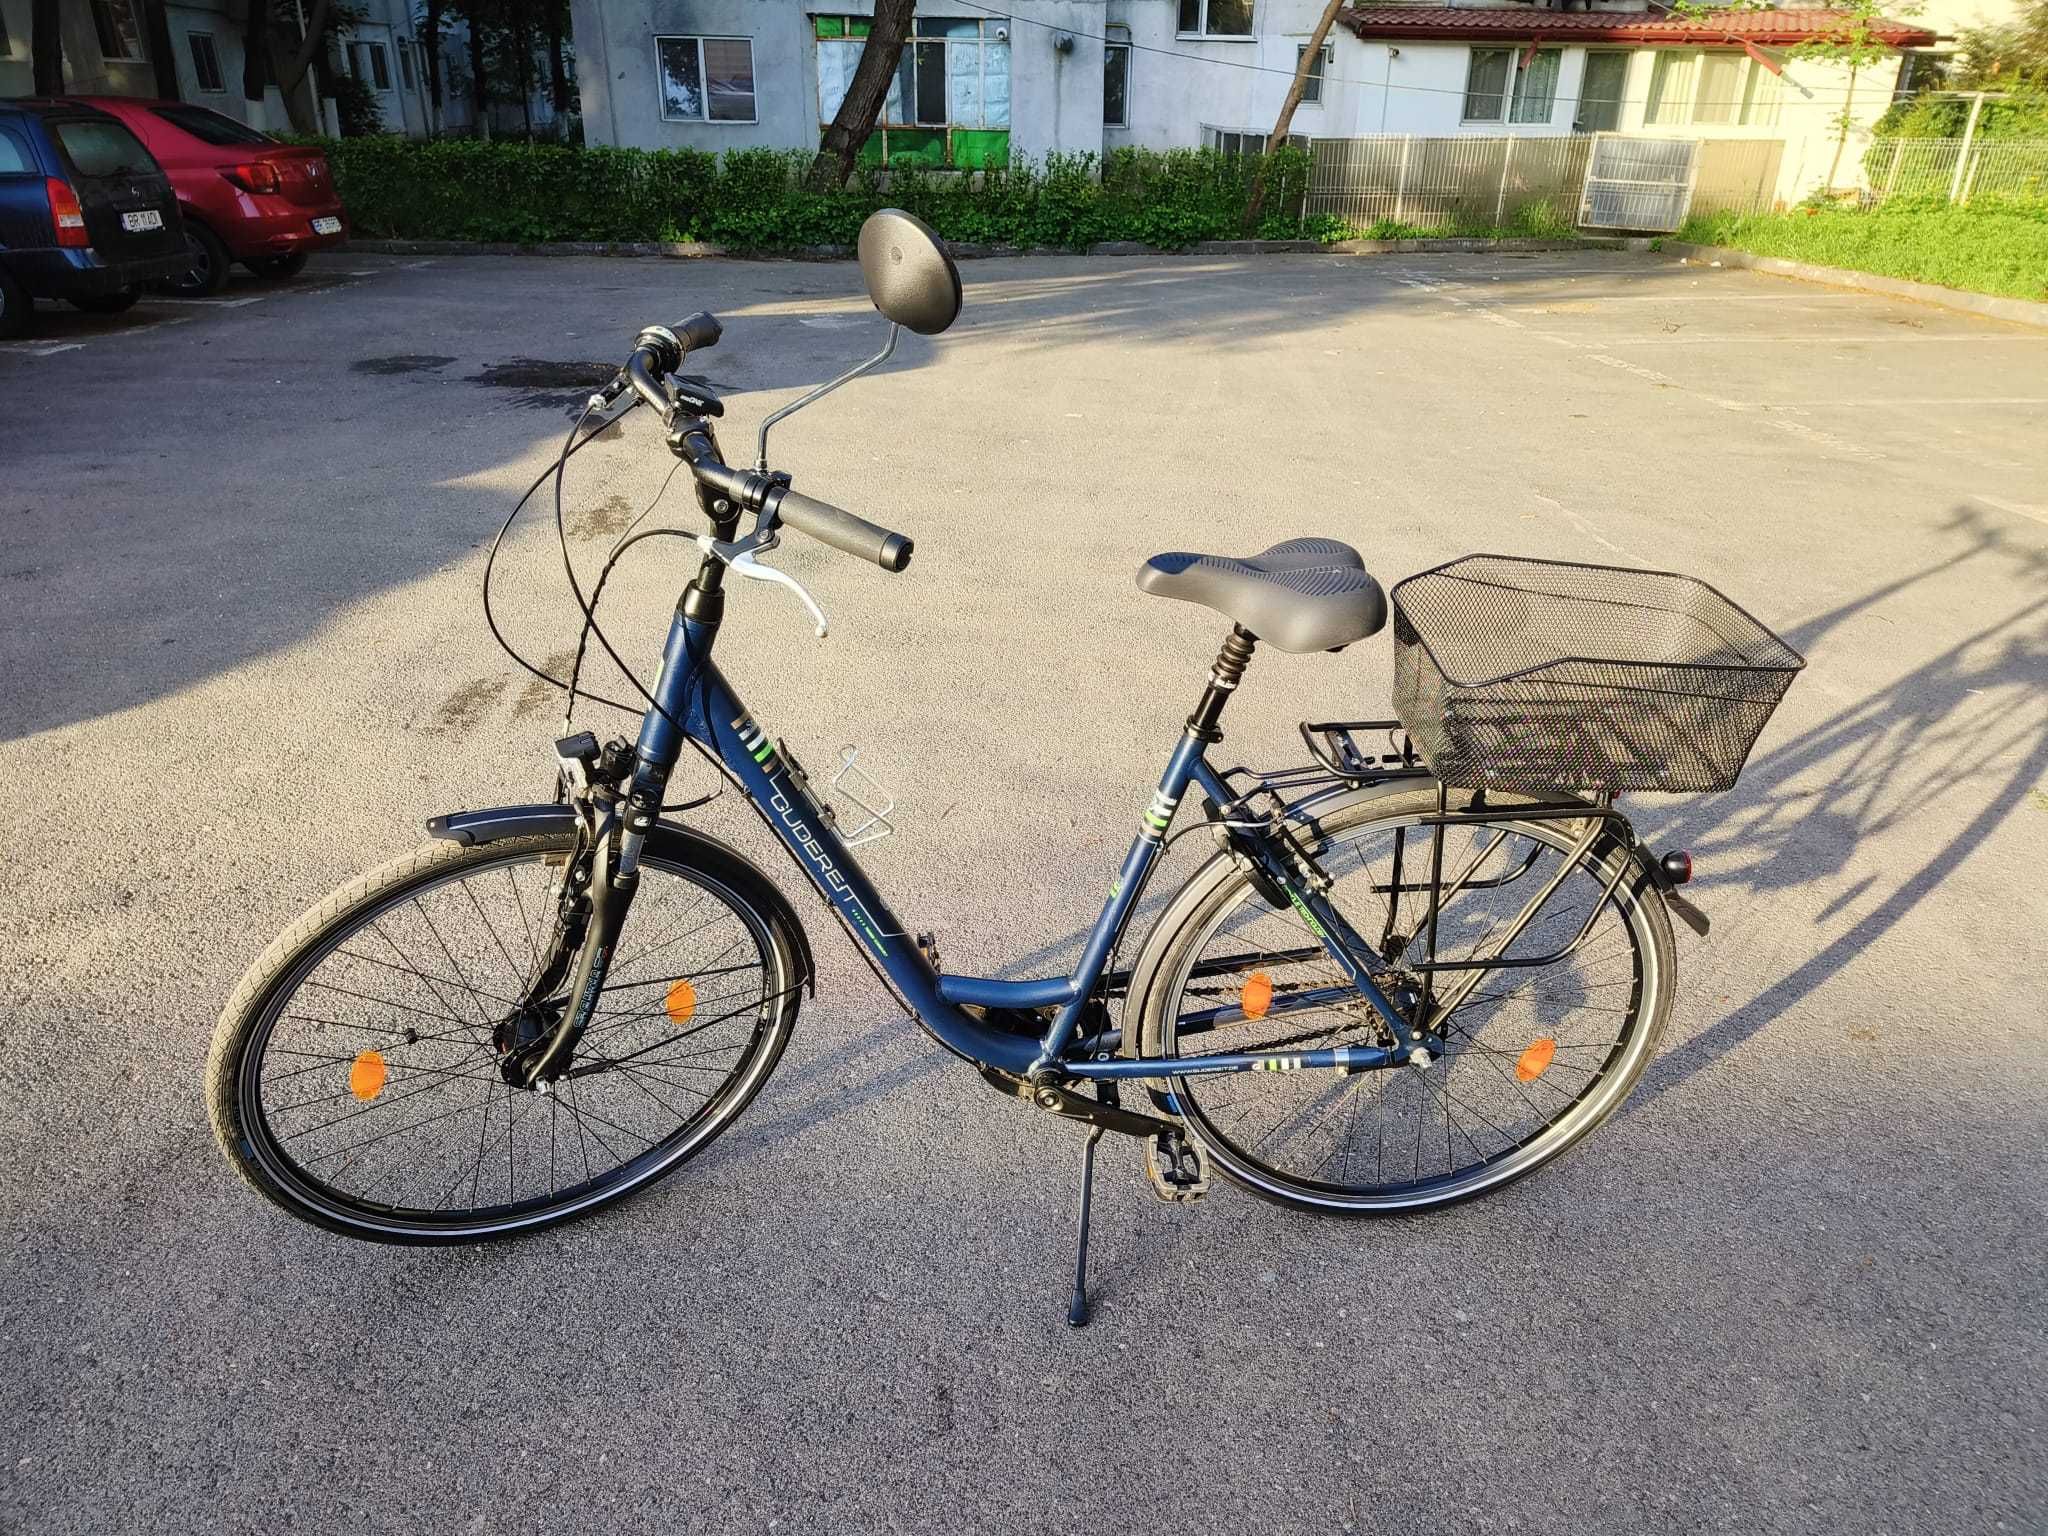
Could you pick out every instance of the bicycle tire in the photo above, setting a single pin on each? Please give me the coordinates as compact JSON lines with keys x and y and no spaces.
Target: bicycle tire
{"x":1217,"y":890}
{"x":247,"y":1030}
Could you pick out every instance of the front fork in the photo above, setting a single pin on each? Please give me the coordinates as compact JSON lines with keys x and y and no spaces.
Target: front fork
{"x":539,"y":1039}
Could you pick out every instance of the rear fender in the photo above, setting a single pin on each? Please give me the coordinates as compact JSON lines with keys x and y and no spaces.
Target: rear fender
{"x":684,"y":844}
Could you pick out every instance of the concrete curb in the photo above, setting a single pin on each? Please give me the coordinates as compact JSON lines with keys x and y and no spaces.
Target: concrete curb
{"x":967,"y":250}
{"x":1992,"y":306}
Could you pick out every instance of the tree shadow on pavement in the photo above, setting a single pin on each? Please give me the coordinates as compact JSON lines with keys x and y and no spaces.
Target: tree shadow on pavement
{"x":1964,"y":733}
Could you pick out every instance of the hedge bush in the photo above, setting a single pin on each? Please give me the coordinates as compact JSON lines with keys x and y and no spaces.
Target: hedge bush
{"x":754,"y":199}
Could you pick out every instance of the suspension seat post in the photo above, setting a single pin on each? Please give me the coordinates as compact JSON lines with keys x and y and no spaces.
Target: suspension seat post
{"x":1224,"y":677}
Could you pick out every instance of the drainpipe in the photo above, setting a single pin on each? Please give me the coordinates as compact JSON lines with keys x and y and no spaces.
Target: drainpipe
{"x":611,"y":94}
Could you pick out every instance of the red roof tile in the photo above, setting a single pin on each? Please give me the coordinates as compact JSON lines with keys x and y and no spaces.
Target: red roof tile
{"x":1524,"y":24}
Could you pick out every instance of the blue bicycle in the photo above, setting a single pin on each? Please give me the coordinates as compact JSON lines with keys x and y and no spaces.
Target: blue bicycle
{"x":1419,"y":965}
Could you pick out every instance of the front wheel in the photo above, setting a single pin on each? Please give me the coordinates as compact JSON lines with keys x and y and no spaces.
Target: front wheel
{"x":1529,"y":1062}
{"x":354,"y":1077}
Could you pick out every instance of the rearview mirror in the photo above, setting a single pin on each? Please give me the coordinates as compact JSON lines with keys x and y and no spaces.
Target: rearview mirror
{"x":909,"y":273}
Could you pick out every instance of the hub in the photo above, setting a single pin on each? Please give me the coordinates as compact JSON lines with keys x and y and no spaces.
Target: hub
{"x":522,"y":1036}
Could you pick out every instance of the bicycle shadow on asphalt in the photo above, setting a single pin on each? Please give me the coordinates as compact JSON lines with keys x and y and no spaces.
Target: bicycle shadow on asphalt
{"x":1967,"y":720}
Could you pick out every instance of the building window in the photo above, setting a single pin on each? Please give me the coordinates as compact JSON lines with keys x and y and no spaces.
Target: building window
{"x":1720,"y":92}
{"x":1670,"y":88}
{"x":1762,"y":94}
{"x":1116,"y":76}
{"x":1312,"y":87}
{"x":405,"y":65}
{"x":1535,"y":86}
{"x":1215,"y":18}
{"x":1502,"y":85}
{"x":120,"y":33}
{"x":706,"y":79}
{"x":1486,"y":84}
{"x":205,"y":62}
{"x":1600,"y":93}
{"x":1241,"y":141}
{"x":949,"y":103}
{"x":380,"y":66}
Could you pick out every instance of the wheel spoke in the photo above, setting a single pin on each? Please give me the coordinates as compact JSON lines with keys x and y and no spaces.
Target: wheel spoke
{"x":1408,"y":1134}
{"x":375,"y":1082}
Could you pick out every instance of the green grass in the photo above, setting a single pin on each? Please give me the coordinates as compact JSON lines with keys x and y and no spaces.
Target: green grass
{"x":2001,"y":249}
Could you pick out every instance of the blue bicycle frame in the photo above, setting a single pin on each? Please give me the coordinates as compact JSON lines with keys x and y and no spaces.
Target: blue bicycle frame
{"x":695,"y":702}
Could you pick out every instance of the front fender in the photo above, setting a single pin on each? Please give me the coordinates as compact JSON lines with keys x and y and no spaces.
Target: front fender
{"x":685,"y":845}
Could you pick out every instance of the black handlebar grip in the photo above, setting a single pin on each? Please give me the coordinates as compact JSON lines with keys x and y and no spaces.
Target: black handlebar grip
{"x":701,"y":330}
{"x":843,"y":531}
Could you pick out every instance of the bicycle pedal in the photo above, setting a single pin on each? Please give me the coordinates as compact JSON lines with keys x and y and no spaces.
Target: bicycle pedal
{"x":1177,"y":1167}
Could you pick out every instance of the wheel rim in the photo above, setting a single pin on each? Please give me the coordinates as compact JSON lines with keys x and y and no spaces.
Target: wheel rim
{"x":200,"y":274}
{"x":1494,"y":1104}
{"x":427,"y":1139}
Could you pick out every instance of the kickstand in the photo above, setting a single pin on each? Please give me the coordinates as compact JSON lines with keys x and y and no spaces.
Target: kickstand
{"x":1077,"y":1311}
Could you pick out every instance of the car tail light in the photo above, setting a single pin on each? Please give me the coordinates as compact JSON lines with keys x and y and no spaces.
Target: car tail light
{"x":70,"y":218}
{"x":255,"y":176}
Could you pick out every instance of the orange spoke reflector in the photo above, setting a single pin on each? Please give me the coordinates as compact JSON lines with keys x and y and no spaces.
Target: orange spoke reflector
{"x":681,"y":1002}
{"x":1535,"y":1061}
{"x":367,"y":1075}
{"x":1257,"y":996}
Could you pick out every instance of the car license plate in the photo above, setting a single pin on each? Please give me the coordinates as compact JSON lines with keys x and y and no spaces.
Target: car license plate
{"x":329,"y":226}
{"x":136,"y":223}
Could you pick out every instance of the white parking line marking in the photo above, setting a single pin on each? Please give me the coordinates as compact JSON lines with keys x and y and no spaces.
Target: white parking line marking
{"x":1822,"y":338}
{"x":254,"y":298}
{"x":2017,"y":508}
{"x":1937,"y":400}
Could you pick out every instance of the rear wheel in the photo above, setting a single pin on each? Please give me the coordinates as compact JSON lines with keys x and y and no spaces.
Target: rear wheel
{"x":278,"y":268}
{"x":1530,"y":1061}
{"x":107,"y":303}
{"x":208,"y":273}
{"x":354,"y":1075}
{"x":14,"y":307}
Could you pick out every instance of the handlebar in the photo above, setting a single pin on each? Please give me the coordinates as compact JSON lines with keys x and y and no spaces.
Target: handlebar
{"x":660,"y":351}
{"x":840,"y":529}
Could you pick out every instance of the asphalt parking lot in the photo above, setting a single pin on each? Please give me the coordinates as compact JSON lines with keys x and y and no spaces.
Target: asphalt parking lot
{"x":1796,"y":1285}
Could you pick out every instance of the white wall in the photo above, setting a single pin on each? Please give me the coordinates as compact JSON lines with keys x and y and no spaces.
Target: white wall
{"x":1055,"y":97}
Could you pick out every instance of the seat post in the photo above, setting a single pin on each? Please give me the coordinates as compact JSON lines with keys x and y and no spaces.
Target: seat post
{"x":1223,"y":681}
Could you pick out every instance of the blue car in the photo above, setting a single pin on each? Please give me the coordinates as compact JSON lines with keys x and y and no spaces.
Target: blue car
{"x":86,"y":214}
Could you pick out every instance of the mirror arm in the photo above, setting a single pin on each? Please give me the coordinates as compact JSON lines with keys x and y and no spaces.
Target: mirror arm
{"x":881,"y":357}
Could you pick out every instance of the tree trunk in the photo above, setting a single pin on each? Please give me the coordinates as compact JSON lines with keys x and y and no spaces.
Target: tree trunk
{"x":479,"y":84}
{"x":855,"y":119}
{"x":1256,"y":207}
{"x":163,"y":62}
{"x":430,"y":39}
{"x":558,"y":69}
{"x":46,"y":46}
{"x":293,"y":68}
{"x":255,"y":47}
{"x":523,"y":39}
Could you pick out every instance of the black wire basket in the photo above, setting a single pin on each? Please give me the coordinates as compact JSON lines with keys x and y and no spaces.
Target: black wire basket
{"x":1545,"y":675}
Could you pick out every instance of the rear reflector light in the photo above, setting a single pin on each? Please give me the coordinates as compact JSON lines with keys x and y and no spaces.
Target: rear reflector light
{"x":256,"y":176}
{"x":69,"y":217}
{"x":1677,"y":866}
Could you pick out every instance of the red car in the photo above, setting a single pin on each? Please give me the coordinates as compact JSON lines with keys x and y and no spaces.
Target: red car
{"x":244,"y":196}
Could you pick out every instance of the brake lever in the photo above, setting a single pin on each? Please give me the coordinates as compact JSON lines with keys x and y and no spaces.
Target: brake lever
{"x":739,"y":559}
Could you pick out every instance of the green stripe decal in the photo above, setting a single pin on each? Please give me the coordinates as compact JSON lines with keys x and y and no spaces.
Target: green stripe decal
{"x":763,"y":752}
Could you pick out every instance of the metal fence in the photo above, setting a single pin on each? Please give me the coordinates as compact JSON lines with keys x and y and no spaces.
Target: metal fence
{"x":1473,"y":182}
{"x":1957,"y":169}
